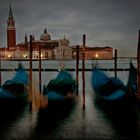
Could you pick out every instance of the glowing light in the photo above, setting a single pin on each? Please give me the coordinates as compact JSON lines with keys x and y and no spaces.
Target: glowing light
{"x":96,"y":55}
{"x":25,"y":56}
{"x":40,"y":55}
{"x":9,"y":55}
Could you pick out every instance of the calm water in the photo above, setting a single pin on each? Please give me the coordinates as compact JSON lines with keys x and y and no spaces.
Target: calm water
{"x":92,"y":123}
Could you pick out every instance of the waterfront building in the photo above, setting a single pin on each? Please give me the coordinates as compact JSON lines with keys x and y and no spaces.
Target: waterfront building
{"x":94,"y":52}
{"x":50,"y":48}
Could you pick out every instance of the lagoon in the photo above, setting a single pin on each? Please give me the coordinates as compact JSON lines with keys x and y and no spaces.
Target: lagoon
{"x":92,"y":123}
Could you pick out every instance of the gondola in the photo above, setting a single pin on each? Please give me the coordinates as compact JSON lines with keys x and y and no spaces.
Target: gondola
{"x":60,"y":93}
{"x":132,"y":79}
{"x":111,"y":90}
{"x":13,"y":92}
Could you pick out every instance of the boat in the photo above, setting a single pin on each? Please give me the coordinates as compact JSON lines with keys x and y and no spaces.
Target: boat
{"x":13,"y":92}
{"x":111,"y":90}
{"x":60,"y":93}
{"x":132,"y":79}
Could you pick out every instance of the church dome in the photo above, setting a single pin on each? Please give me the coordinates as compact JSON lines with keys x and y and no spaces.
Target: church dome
{"x":45,"y":36}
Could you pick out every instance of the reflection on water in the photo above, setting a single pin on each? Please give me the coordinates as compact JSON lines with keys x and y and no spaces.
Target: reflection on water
{"x":95,"y":122}
{"x":124,"y":121}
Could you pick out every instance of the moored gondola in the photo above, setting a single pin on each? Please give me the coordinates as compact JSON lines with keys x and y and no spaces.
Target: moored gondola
{"x":13,"y":92}
{"x":112,"y":91}
{"x":61,"y":94}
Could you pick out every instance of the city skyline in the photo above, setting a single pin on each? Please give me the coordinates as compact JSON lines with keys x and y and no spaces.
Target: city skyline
{"x":113,"y":23}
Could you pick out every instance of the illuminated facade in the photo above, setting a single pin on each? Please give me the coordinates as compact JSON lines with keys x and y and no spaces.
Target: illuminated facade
{"x":95,"y":52}
{"x":50,"y":49}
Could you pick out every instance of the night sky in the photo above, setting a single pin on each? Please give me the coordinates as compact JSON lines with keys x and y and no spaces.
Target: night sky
{"x":112,"y":23}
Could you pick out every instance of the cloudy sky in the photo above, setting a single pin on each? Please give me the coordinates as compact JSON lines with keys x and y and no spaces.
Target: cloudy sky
{"x":112,"y":23}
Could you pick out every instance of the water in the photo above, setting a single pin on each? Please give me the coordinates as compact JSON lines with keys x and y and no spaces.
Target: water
{"x":92,"y":123}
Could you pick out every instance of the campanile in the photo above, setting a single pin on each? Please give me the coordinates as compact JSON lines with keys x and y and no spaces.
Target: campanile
{"x":11,"y":31}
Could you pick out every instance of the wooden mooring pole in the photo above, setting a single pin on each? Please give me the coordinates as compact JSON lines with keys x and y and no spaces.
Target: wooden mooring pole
{"x":40,"y":84}
{"x":138,"y":64}
{"x":30,"y":74}
{"x":83,"y":69}
{"x":77,"y":67}
{"x":0,"y":69}
{"x":115,"y":64}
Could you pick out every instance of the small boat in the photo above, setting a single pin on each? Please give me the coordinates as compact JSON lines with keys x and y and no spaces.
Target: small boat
{"x":14,"y":91}
{"x":61,"y":88}
{"x":132,"y":79}
{"x":64,"y":83}
{"x":60,"y":93}
{"x":111,"y":90}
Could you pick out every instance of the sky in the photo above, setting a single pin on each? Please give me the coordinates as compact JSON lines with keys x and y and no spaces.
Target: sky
{"x":113,"y":23}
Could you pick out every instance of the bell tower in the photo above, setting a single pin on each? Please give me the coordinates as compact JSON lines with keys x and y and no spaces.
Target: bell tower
{"x":11,"y":31}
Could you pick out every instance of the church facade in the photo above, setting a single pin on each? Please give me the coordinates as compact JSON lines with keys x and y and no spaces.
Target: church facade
{"x":50,"y":49}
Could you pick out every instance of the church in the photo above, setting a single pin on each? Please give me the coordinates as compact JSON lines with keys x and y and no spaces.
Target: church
{"x":50,"y":49}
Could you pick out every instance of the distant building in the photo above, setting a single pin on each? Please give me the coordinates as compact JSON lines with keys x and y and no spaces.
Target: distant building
{"x":51,"y":49}
{"x":95,"y":52}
